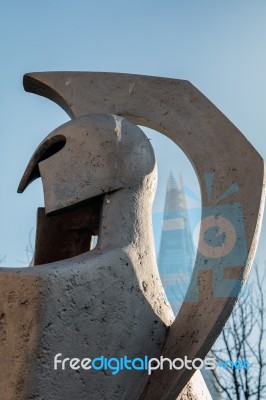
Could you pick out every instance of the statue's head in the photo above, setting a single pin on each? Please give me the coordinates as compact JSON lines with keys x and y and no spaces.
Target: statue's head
{"x":88,"y":157}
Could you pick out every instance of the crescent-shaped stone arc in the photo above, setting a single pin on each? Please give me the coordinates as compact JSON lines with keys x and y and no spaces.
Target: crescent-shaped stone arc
{"x":214,"y":145}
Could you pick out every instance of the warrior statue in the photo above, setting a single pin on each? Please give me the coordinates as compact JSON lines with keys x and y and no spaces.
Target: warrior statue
{"x":77,"y":301}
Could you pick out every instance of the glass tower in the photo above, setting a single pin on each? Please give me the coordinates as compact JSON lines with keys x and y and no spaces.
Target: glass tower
{"x":176,"y":254}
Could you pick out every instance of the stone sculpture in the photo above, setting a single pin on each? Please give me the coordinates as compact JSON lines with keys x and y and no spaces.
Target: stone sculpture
{"x":99,"y":176}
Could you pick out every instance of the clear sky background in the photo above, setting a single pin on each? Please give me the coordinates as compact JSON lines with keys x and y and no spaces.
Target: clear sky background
{"x":219,"y":46}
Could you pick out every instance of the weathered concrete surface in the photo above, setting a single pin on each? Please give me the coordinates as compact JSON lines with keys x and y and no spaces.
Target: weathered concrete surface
{"x":122,"y":269}
{"x":108,"y":301}
{"x":20,"y":325}
{"x":214,"y":145}
{"x":196,"y":388}
{"x":65,"y":235}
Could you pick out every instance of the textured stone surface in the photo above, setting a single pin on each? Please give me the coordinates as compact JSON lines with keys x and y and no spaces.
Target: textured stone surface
{"x":65,"y":235}
{"x":20,"y":324}
{"x":108,"y":301}
{"x":195,"y":389}
{"x":86,"y":300}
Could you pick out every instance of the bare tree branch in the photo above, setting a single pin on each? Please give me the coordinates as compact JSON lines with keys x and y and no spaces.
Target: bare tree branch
{"x":242,"y":340}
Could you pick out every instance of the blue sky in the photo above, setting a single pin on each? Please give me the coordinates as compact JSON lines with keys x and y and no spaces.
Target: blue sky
{"x":220,"y":46}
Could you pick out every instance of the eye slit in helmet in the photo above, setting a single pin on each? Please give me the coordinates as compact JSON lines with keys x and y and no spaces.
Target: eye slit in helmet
{"x":53,"y":148}
{"x":46,"y":150}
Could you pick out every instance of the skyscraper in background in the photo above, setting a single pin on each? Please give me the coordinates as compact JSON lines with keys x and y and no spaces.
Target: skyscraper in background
{"x":176,"y":254}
